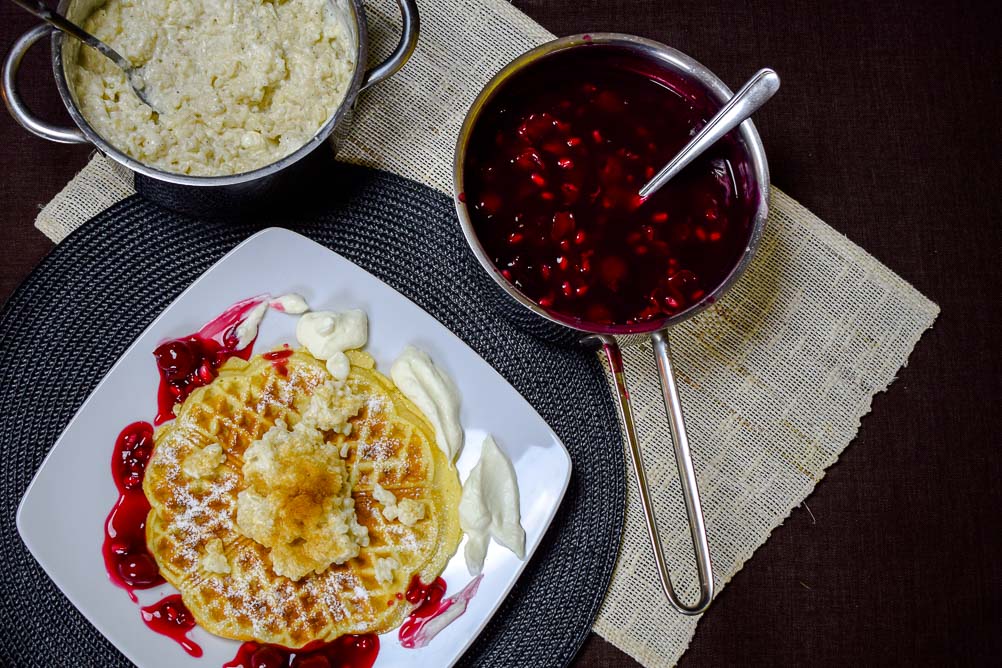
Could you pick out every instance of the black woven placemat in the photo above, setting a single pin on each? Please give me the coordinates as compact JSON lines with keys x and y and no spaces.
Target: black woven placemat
{"x":87,"y":301}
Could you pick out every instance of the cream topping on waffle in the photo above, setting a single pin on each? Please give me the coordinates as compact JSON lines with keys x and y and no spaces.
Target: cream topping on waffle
{"x":327,"y":335}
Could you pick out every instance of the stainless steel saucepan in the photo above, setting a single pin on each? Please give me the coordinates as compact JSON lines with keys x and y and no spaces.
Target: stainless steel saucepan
{"x":537,"y":320}
{"x":202,"y":194}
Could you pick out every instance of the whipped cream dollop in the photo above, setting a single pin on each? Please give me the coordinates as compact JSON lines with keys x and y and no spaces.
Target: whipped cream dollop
{"x":417,"y":377}
{"x":489,"y":507}
{"x":327,"y":335}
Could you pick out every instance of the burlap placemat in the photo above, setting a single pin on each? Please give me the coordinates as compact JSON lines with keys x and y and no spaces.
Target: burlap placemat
{"x":775,"y":378}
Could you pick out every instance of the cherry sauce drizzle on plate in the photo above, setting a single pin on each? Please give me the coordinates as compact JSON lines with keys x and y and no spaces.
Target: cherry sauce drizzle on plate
{"x":432,"y":613}
{"x":130,"y":564}
{"x":190,"y":362}
{"x":170,"y":617}
{"x":348,"y":651}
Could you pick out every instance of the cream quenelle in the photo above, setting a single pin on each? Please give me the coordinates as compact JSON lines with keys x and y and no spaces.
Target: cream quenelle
{"x":489,"y":507}
{"x":434,"y":393}
{"x":327,"y":335}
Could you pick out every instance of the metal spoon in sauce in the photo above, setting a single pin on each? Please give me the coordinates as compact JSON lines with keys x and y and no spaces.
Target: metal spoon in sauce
{"x":132,"y":74}
{"x":745,"y":102}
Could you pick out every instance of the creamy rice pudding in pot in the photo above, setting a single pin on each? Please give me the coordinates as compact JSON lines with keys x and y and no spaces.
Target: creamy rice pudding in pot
{"x":237,"y":84}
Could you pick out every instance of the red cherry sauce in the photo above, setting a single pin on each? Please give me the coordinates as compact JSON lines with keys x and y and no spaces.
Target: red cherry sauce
{"x":350,"y":651}
{"x":551,"y":178}
{"x":189,"y":362}
{"x":280,"y":359}
{"x":419,"y":627}
{"x":129,"y":563}
{"x":171,"y":617}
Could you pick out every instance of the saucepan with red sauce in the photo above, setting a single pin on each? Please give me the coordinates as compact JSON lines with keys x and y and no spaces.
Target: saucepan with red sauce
{"x":548,"y":167}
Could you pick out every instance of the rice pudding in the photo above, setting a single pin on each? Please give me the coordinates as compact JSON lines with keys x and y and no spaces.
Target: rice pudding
{"x":237,"y":84}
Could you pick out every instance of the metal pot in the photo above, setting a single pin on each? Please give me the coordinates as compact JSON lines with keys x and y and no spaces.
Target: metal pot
{"x":540,"y":322}
{"x":212,"y":195}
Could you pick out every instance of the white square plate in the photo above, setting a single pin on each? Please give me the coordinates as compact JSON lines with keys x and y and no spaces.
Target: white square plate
{"x":61,"y":518}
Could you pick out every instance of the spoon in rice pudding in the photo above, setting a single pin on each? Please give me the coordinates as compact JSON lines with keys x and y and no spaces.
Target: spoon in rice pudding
{"x":132,"y":74}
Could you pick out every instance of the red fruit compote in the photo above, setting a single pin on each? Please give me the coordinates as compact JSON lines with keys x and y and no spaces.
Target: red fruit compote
{"x":551,"y":175}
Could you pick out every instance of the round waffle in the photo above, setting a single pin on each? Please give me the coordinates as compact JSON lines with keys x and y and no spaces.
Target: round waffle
{"x":228,"y":580}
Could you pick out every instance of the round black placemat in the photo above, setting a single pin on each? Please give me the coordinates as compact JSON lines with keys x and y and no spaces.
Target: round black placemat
{"x":86,"y":302}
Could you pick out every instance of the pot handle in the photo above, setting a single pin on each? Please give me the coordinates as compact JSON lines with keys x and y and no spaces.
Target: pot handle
{"x":687,"y":475}
{"x":16,"y":106}
{"x":405,"y":47}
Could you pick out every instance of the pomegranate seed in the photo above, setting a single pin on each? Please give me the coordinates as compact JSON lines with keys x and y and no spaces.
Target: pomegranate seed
{"x":641,"y":249}
{"x":489,"y":203}
{"x":581,"y":290}
{"x":659,"y":217}
{"x":580,"y":237}
{"x":544,"y":271}
{"x":563,"y":225}
{"x":554,"y":147}
{"x":529,"y":158}
{"x":700,"y":233}
{"x":538,"y":179}
{"x":648,"y":232}
{"x":649,"y":173}
{"x":515,"y":238}
{"x":567,"y":288}
{"x":633,"y":238}
{"x":697,"y":295}
{"x":206,"y":372}
{"x":597,"y":136}
{"x":613,"y":270}
{"x":546,"y":302}
{"x":120,"y":547}
{"x":565,"y":245}
{"x":547,"y":196}
{"x":565,"y":163}
{"x":506,"y":274}
{"x":573,"y":141}
{"x":711,"y":215}
{"x":562,"y":262}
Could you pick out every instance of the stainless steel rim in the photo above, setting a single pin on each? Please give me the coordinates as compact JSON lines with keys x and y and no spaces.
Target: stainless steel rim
{"x":658,"y":51}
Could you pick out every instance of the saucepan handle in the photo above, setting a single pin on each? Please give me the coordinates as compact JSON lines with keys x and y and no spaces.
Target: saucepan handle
{"x":16,"y":106}
{"x":687,"y":475}
{"x":405,"y":47}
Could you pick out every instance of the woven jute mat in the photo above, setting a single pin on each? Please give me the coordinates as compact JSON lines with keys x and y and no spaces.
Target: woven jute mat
{"x":775,"y":377}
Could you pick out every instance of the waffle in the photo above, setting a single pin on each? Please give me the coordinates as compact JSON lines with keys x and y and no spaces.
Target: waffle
{"x":228,"y":580}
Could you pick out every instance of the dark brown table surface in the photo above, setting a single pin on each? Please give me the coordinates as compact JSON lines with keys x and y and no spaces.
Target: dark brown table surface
{"x":887,"y":127}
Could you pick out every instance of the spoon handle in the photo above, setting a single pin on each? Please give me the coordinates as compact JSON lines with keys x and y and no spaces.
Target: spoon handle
{"x":746,"y":102}
{"x":39,"y":9}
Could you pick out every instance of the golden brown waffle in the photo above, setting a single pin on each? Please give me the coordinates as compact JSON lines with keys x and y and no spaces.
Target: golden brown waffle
{"x":390,"y":443}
